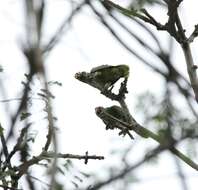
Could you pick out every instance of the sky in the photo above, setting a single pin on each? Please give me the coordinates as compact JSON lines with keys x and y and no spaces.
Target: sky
{"x":84,"y":46}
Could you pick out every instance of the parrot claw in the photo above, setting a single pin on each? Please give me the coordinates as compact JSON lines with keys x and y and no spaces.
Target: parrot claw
{"x":124,"y":132}
{"x":109,"y":127}
{"x":106,"y":91}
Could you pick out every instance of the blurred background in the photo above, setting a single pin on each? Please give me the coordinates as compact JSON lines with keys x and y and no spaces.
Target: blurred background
{"x":76,"y":36}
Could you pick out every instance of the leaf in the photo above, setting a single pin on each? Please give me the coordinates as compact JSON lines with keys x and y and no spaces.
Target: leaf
{"x":75,"y":184}
{"x":24,"y":115}
{"x":141,"y":3}
{"x":27,"y":76}
{"x":78,"y":178}
{"x":85,"y":174}
{"x":26,"y":85}
{"x":58,"y":186}
{"x":159,"y":118}
{"x":55,"y":118}
{"x":127,"y":12}
{"x":48,"y":93}
{"x":1,"y":130}
{"x":154,"y":160}
{"x":42,"y":95}
{"x":68,"y":164}
{"x":61,"y":171}
{"x":55,"y":83}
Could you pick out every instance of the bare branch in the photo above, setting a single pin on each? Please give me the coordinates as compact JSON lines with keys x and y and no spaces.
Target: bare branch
{"x":191,"y":68}
{"x":134,"y":13}
{"x":22,"y":169}
{"x":129,"y":169}
{"x":60,"y":31}
{"x":116,"y":36}
{"x":193,"y":35}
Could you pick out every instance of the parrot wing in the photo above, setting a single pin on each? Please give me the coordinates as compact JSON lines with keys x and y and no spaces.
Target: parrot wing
{"x":100,"y":68}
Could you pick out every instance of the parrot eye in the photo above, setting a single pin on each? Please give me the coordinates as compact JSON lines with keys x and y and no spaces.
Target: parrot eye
{"x":98,"y":110}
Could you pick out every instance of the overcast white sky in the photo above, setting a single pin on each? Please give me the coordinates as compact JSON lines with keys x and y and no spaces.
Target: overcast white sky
{"x":87,"y":45}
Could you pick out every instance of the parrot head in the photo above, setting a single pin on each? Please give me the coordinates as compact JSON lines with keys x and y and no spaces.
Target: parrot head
{"x":124,"y":70}
{"x":98,"y":110}
{"x":79,"y":75}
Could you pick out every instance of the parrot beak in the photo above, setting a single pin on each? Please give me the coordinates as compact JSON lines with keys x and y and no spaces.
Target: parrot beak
{"x":77,"y":75}
{"x":81,"y":76}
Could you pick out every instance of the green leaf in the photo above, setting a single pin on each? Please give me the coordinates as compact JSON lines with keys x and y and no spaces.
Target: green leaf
{"x":85,"y":174}
{"x":58,"y":186}
{"x":68,"y":164}
{"x":60,"y":170}
{"x":78,"y":178}
{"x":48,"y":93}
{"x":1,"y":130}
{"x":127,"y":12}
{"x":24,"y":115}
{"x":75,"y":184}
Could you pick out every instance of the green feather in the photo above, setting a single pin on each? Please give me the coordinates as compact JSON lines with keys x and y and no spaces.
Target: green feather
{"x":117,"y":112}
{"x":107,"y":75}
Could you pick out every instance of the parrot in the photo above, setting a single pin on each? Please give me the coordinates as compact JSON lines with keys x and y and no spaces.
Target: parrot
{"x":108,"y":75}
{"x":117,"y":113}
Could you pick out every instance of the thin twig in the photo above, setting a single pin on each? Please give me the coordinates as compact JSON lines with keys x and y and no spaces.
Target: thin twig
{"x":39,"y":180}
{"x":180,"y":174}
{"x":60,"y":31}
{"x":184,"y":91}
{"x":127,"y":170}
{"x":193,"y":35}
{"x":191,"y":68}
{"x":116,"y":36}
{"x":143,"y":43}
{"x":134,"y":13}
{"x":17,"y":146}
{"x":22,"y":169}
{"x":30,"y":182}
{"x":3,"y":142}
{"x":150,"y":32}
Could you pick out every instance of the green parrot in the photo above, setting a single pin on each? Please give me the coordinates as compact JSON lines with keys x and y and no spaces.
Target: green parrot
{"x":109,"y":116}
{"x":104,"y":77}
{"x":108,"y":75}
{"x":118,"y":113}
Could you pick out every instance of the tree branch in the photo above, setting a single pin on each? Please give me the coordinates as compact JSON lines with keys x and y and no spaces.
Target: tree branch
{"x":22,"y":169}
